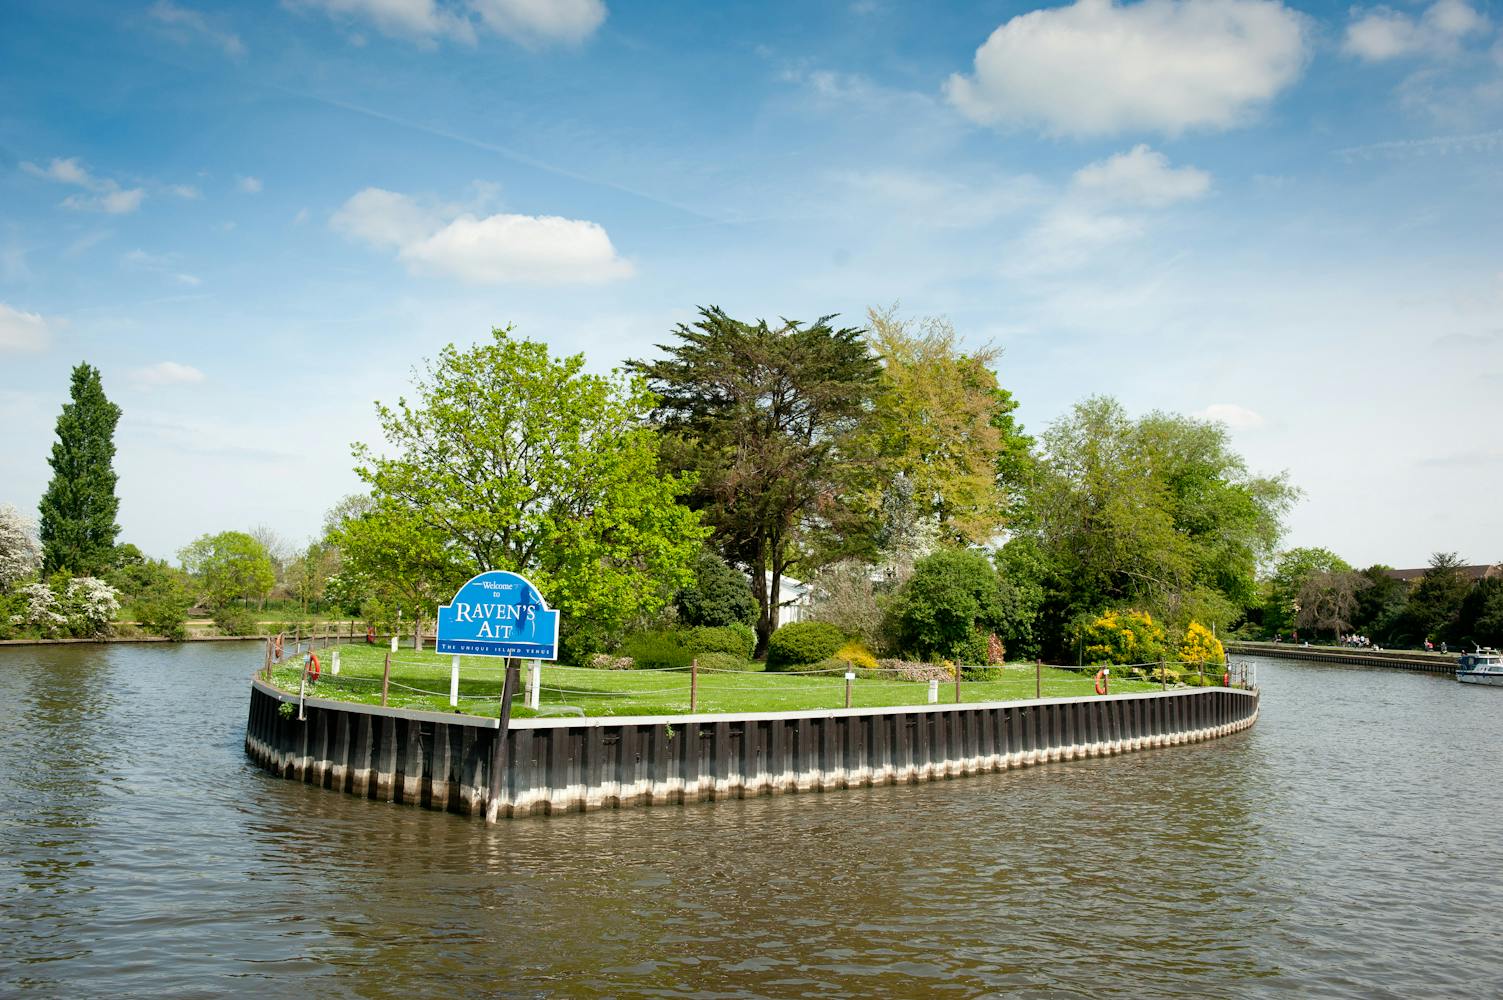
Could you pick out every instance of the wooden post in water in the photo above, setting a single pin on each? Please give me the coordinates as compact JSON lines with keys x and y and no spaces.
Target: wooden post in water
{"x":498,"y":753}
{"x":693,"y":684}
{"x":385,"y":678}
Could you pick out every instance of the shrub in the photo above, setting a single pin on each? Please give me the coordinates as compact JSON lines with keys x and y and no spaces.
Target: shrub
{"x":953,"y":597}
{"x":231,"y":619}
{"x":913,"y":670}
{"x":605,"y":661}
{"x":987,"y":673}
{"x":718,"y":596}
{"x":738,"y":639}
{"x":1122,"y":637}
{"x":844,"y":596}
{"x":1200,"y":646}
{"x":856,"y":655}
{"x":163,"y":607}
{"x":799,"y":644}
{"x":658,"y":649}
{"x":39,"y":610}
{"x":728,"y":661}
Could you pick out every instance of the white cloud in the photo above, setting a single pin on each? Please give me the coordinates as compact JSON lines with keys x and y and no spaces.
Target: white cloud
{"x":165,"y":373}
{"x":186,"y":191}
{"x":427,"y":22}
{"x":1383,"y":33}
{"x":493,"y":249}
{"x":102,"y":194}
{"x":1142,"y":176}
{"x":933,"y":199}
{"x":1234,"y":416}
{"x":1107,"y":203}
{"x":22,"y":331}
{"x":1098,"y":67}
{"x":535,"y":21}
{"x":165,"y":265}
{"x":249,"y":185}
{"x":184,"y":25}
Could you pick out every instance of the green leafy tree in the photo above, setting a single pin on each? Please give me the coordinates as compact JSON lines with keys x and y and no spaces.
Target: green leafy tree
{"x":1480,"y":619}
{"x":511,"y":459}
{"x":228,"y":567}
{"x":1158,"y":513}
{"x":719,"y":595}
{"x":1328,"y":600}
{"x":937,"y":424}
{"x":78,"y":510}
{"x":953,"y":596}
{"x":764,"y":419}
{"x":1380,"y":604}
{"x":1435,"y":602}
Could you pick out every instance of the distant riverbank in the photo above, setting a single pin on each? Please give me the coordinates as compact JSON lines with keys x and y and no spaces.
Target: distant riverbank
{"x":1398,"y":659}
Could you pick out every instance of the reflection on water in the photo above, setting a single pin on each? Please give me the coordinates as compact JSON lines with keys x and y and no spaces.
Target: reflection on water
{"x":1342,"y":847}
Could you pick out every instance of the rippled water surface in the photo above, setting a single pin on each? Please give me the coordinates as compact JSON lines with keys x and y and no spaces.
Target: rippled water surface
{"x":1347,"y":845}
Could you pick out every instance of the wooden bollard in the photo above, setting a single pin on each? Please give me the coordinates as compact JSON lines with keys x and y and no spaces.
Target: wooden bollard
{"x":1038,"y":678}
{"x":957,"y":683}
{"x":693,"y":684}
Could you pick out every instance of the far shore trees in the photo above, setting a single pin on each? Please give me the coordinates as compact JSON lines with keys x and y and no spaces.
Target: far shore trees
{"x":511,"y":459}
{"x":78,"y":510}
{"x":764,"y":419}
{"x":229,"y":567}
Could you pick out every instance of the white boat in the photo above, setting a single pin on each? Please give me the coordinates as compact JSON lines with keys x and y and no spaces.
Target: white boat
{"x":1485,"y":666}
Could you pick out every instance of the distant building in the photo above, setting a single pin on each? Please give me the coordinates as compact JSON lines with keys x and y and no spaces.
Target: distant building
{"x":1472,"y":573}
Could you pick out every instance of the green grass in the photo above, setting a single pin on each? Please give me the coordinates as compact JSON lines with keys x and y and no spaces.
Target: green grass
{"x":643,"y":692}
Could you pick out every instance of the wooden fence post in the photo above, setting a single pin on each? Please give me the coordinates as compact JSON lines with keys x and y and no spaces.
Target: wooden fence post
{"x":1038,"y":678}
{"x":693,"y":684}
{"x":385,"y":678}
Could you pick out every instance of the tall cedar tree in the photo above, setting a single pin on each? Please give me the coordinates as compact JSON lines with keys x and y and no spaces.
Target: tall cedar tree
{"x":763,"y":417}
{"x":78,"y":510}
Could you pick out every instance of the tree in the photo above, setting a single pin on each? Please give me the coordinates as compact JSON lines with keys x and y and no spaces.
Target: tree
{"x":936,"y":424}
{"x":1480,"y":620}
{"x":308,"y":572}
{"x":78,"y":510}
{"x":1435,"y":601}
{"x":510,"y":459}
{"x":20,"y":555}
{"x":953,"y":597}
{"x":1157,"y":513}
{"x":1380,"y":604}
{"x":1281,"y":601}
{"x":764,"y":419}
{"x":719,"y":595}
{"x":1328,"y":599}
{"x":230,"y":566}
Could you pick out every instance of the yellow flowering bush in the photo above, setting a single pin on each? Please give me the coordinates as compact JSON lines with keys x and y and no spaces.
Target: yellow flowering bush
{"x":1201,"y":646}
{"x":857,"y":655}
{"x":1123,"y":637}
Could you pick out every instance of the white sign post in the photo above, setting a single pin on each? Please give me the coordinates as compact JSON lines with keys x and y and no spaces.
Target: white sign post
{"x":934,"y":692}
{"x":454,"y":682}
{"x":534,"y":683}
{"x":335,"y":667}
{"x":393,"y":644}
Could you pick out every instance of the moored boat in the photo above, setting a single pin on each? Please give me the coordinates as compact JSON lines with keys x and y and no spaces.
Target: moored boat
{"x":1484,"y":666}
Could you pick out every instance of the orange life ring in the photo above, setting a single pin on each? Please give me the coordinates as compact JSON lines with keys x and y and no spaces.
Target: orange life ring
{"x":1226,"y":680}
{"x":277,"y":647}
{"x":1101,"y":680}
{"x":312,"y":667}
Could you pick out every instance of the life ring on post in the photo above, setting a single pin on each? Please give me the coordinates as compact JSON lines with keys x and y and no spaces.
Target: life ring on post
{"x":312,"y":666}
{"x":370,"y":635}
{"x":1226,"y":680}
{"x":276,"y":647}
{"x":1102,"y":676}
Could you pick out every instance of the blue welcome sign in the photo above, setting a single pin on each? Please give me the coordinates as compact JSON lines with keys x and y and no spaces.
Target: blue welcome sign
{"x":498,"y":614}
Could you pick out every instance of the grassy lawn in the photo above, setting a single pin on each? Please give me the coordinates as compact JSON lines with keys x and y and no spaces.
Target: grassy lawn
{"x":421,"y":681}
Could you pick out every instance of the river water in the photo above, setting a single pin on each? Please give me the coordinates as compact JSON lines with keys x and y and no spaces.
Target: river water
{"x":1347,"y":845}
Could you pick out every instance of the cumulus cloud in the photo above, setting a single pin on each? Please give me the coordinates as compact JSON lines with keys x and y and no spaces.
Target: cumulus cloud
{"x":22,"y":331}
{"x":501,"y":248}
{"x":100,"y":194}
{"x":185,"y":26}
{"x":165,"y":373}
{"x":531,"y":22}
{"x":1108,"y":202}
{"x":1234,"y":416}
{"x":1098,"y":67}
{"x":1382,"y":33}
{"x":1142,"y":176}
{"x":249,"y":185}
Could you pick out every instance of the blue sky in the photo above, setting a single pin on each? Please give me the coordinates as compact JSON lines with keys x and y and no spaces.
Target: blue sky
{"x":257,"y":218}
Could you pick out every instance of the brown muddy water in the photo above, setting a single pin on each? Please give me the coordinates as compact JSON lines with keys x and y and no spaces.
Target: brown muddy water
{"x":1348,"y":845}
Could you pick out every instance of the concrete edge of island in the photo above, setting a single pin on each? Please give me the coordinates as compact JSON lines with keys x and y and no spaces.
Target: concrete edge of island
{"x":545,"y":766}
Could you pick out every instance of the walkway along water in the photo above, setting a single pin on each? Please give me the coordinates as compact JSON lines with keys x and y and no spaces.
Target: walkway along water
{"x":445,"y":761}
{"x":1396,"y":659}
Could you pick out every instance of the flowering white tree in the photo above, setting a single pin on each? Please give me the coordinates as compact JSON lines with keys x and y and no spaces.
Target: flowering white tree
{"x":20,"y":553}
{"x":40,"y":610}
{"x":92,"y":606}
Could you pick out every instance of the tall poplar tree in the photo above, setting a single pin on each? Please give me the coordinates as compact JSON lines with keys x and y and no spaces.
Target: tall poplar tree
{"x":78,"y":510}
